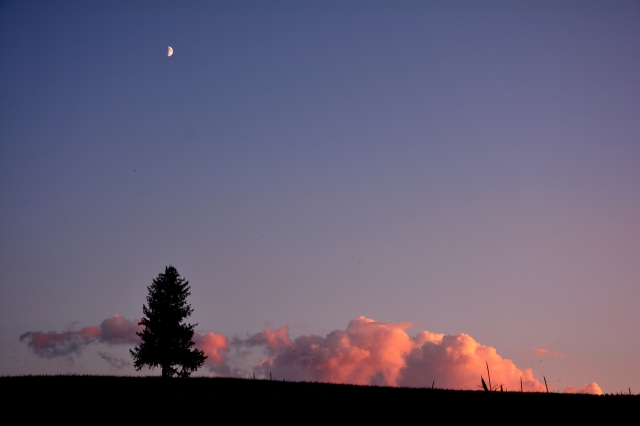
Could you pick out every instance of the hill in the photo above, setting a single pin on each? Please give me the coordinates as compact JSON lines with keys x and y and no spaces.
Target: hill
{"x":211,"y":399}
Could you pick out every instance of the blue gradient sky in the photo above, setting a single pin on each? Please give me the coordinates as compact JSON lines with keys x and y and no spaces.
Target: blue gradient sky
{"x":470,"y":167}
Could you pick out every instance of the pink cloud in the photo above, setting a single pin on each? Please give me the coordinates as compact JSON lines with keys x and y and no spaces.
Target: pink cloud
{"x":273,"y":340}
{"x":118,"y":330}
{"x":372,"y":352}
{"x":591,"y":388}
{"x":215,"y":347}
{"x":458,"y":362}
{"x":114,"y":331}
{"x":53,"y":344}
{"x":544,"y":352}
{"x":368,"y":352}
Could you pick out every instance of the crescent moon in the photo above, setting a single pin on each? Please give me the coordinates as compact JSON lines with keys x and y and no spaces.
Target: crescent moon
{"x":170,"y":51}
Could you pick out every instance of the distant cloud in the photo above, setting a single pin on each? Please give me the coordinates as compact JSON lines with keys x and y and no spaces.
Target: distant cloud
{"x":53,"y":344}
{"x":273,"y":340}
{"x":215,"y":347}
{"x":120,"y":331}
{"x":544,"y":352}
{"x":458,"y":362}
{"x":368,"y":352}
{"x":114,"y":331}
{"x":117,"y":363}
{"x":591,"y":388}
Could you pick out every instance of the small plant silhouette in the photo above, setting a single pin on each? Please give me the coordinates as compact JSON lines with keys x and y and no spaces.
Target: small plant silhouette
{"x":484,"y":384}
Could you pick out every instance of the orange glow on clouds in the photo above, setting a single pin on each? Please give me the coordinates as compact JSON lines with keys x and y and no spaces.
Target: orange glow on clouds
{"x":114,"y":330}
{"x":368,"y":352}
{"x":378,"y":353}
{"x":215,"y":347}
{"x":543,"y":352}
{"x":458,"y":362}
{"x":592,"y":388}
{"x":371,"y":352}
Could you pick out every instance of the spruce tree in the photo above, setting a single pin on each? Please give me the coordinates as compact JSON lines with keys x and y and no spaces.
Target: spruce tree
{"x":166,"y":339}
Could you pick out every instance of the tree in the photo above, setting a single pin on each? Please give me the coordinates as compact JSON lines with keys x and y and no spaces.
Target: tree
{"x":166,"y":339}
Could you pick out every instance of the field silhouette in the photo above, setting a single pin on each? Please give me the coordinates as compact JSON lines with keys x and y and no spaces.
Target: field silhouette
{"x":212,"y":399}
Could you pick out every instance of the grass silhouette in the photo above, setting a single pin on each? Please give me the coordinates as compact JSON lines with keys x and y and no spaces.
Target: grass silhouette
{"x":198,"y":398}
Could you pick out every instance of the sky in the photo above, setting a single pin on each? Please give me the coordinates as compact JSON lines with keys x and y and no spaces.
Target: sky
{"x":401,"y":191}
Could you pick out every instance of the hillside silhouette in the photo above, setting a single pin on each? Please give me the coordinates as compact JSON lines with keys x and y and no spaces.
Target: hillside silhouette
{"x":202,"y":399}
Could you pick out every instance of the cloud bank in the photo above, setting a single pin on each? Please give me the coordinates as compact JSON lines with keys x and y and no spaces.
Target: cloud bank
{"x":115,"y":330}
{"x":377,"y":353}
{"x":368,"y":352}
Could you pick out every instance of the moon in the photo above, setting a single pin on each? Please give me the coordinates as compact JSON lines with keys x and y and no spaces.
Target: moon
{"x":170,"y":51}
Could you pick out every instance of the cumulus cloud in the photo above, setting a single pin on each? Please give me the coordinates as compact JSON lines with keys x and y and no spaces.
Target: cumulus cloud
{"x":591,"y":388}
{"x":215,"y":347}
{"x":116,"y":330}
{"x":369,"y":352}
{"x":458,"y":362}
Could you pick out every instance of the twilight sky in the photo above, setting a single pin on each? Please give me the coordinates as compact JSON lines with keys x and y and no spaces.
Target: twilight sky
{"x":467,"y":168}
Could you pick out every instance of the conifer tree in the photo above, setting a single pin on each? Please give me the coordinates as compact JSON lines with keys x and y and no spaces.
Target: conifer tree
{"x":166,"y":339}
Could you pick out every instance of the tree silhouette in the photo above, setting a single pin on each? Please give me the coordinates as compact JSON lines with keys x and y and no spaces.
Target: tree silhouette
{"x":166,"y":339}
